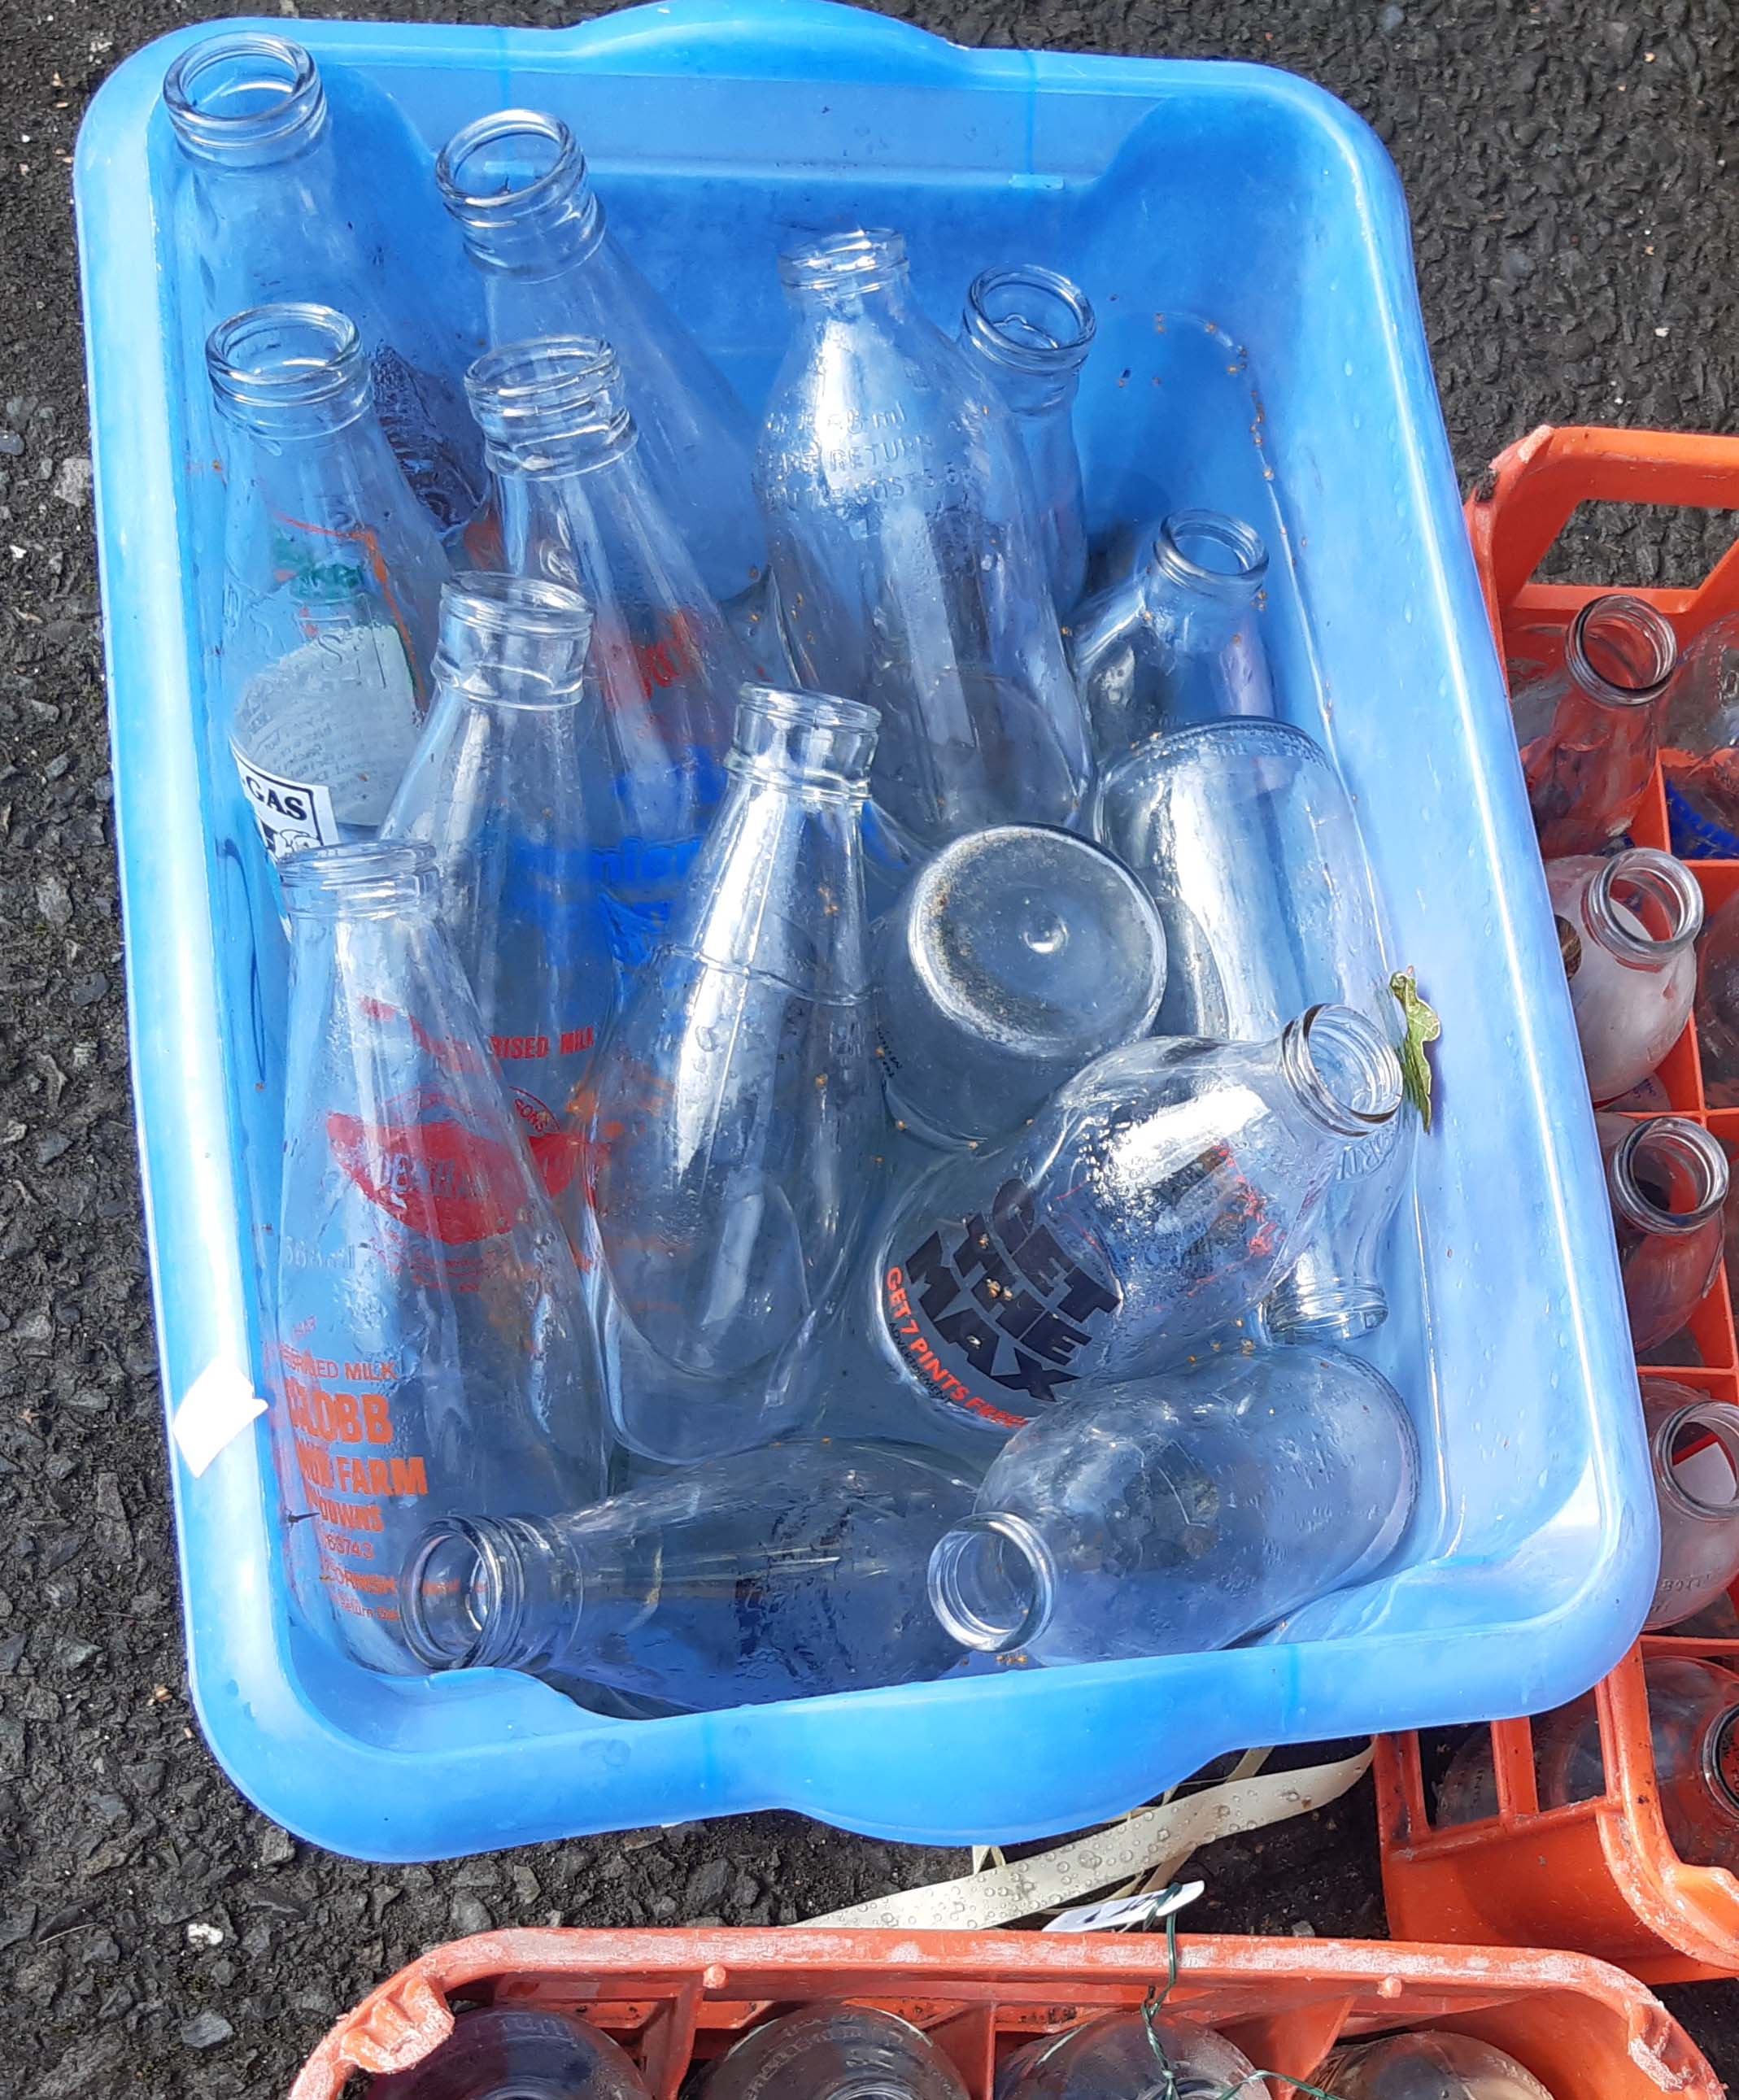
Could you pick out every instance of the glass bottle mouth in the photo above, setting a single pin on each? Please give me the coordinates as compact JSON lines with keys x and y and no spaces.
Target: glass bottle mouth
{"x":236,"y":95}
{"x":462,"y":1594}
{"x":554,"y":390}
{"x":1211,"y":551}
{"x":1689,"y":1429}
{"x":992,"y":1582}
{"x":1032,"y":320}
{"x":512,"y":641}
{"x":1620,"y":651}
{"x":285,"y":360}
{"x":518,"y":171}
{"x":864,"y":259}
{"x":1345,"y":1074}
{"x":1721,"y":1759}
{"x":367,"y":875}
{"x":1643,"y":906}
{"x":1667,"y":1175}
{"x":814,"y":740}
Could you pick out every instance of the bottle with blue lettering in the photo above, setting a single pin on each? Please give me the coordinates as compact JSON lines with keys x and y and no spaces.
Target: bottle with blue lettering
{"x":1153,"y":1200}
{"x":274,"y":208}
{"x":737,"y":1109}
{"x":578,"y":507}
{"x":430,"y":1354}
{"x":499,"y":788}
{"x":332,"y":580}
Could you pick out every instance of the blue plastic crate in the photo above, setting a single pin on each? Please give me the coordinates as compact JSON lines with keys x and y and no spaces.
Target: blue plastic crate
{"x":1245,"y":241}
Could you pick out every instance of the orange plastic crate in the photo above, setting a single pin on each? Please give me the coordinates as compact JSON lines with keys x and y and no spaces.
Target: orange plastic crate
{"x":1601,"y":1876}
{"x":672,"y":1999}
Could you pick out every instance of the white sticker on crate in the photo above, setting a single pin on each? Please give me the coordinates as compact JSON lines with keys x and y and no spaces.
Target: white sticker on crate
{"x":214,"y":1410}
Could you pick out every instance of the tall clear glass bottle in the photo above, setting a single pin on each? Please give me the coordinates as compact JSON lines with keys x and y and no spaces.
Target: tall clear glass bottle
{"x":576,"y":506}
{"x":430,"y":1342}
{"x":909,"y":566}
{"x":499,"y":788}
{"x":770,"y":1574}
{"x":1247,"y":839}
{"x":1667,"y":1178}
{"x":736,"y":1107}
{"x":1590,"y":727}
{"x":1032,"y":329}
{"x":271,"y":215}
{"x":331,"y":582}
{"x":1180,"y":1513}
{"x":1155,"y":1199}
{"x":1693,"y":1443}
{"x":516,"y":182}
{"x":1179,"y":640}
{"x":1626,"y":925}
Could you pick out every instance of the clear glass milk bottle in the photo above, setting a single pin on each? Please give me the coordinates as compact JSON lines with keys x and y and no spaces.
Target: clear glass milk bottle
{"x":333,"y":575}
{"x":907,"y":562}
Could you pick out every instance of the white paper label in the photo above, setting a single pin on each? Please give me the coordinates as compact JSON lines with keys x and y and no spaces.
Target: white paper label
{"x":1123,"y":1911}
{"x":290,"y":813}
{"x":214,"y":1410}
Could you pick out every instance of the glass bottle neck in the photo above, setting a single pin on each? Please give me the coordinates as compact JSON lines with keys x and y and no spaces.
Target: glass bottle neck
{"x":289,"y":372}
{"x":1720,"y":1761}
{"x":551,"y":408}
{"x":1667,"y":1175}
{"x":1206,"y":568}
{"x":1034,"y":329}
{"x":371,"y":881}
{"x":862,"y":275}
{"x":809,"y":743}
{"x":493,"y":1593}
{"x":1642,"y":907}
{"x":1620,"y":652}
{"x":515,"y":183}
{"x":1688,"y":1430}
{"x":1342,"y":1073}
{"x":244,"y":101}
{"x":512,"y":642}
{"x":993,"y":1582}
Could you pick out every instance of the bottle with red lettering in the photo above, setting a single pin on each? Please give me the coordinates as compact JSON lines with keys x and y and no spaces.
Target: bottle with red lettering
{"x":501,"y":787}
{"x":1154,"y":1200}
{"x":577,"y":505}
{"x":431,"y":1354}
{"x":516,"y":184}
{"x":737,"y":1110}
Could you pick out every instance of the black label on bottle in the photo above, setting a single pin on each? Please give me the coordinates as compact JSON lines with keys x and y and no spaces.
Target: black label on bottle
{"x":991,"y":1312}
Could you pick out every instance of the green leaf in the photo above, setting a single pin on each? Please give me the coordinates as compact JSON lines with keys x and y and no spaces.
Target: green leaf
{"x":1422,"y":1025}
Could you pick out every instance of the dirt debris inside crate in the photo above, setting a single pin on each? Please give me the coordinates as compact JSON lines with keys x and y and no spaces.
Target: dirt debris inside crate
{"x":1573,"y":230}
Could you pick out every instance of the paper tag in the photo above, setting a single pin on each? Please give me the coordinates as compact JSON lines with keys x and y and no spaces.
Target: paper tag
{"x":291,"y":813}
{"x":214,"y":1410}
{"x":1127,"y":1910}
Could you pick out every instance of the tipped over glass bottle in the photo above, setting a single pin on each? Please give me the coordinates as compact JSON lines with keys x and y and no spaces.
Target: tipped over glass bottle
{"x":1625,"y":926}
{"x":577,"y":505}
{"x":516,"y":183}
{"x":430,"y":1353}
{"x":834,"y":2051}
{"x":333,"y":575}
{"x":499,"y":788}
{"x":1180,"y":1513}
{"x":1693,"y":1443}
{"x":735,"y":1110}
{"x":1153,"y":1201}
{"x":1016,"y":956}
{"x":273,"y":214}
{"x":1693,"y":1727}
{"x":1589,"y":727}
{"x":908,"y":565}
{"x":772,"y":1574}
{"x":1667,"y":1179}
{"x":1031,"y":330}
{"x":1179,"y":640}
{"x":1245,"y":838}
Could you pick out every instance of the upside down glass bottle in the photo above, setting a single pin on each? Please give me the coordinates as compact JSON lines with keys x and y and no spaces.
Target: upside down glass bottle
{"x":1589,"y":728}
{"x":1693,"y":1725}
{"x":576,"y":506}
{"x":1182,"y":1512}
{"x":909,"y":566}
{"x":770,"y":1574}
{"x":1179,"y":640}
{"x":1154,"y":1200}
{"x":1031,"y":330}
{"x":333,"y":575}
{"x":1667,"y":1180}
{"x":516,"y":182}
{"x":736,"y":1109}
{"x":499,"y":788}
{"x":273,"y":214}
{"x":431,"y":1337}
